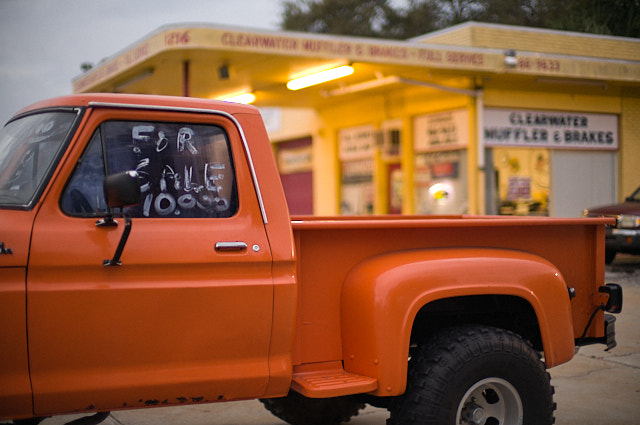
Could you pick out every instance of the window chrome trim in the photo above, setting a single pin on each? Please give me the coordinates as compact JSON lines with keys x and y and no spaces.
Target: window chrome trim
{"x":233,"y":119}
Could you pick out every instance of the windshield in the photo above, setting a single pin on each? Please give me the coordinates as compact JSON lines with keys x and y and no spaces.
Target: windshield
{"x":28,"y":148}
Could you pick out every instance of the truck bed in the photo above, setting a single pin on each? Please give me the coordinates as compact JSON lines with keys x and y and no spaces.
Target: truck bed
{"x":329,"y":247}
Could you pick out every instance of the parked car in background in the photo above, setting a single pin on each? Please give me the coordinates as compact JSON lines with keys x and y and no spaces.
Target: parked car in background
{"x":625,"y":235}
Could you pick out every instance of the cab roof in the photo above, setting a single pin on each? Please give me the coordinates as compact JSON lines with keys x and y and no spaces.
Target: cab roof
{"x":92,"y":99}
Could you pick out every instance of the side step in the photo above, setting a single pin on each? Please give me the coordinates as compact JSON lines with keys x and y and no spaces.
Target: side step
{"x":322,"y":380}
{"x":86,"y":420}
{"x":90,"y":420}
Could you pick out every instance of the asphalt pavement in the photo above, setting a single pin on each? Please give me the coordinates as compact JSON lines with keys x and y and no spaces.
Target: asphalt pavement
{"x":594,"y":388}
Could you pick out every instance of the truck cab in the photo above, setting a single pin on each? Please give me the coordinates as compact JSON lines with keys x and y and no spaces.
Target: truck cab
{"x":174,"y":319}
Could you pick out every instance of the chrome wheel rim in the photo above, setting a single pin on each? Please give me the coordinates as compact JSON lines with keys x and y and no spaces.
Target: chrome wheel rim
{"x":491,"y":401}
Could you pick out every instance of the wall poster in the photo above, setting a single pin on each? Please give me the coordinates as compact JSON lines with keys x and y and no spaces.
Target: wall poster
{"x":356,"y":149}
{"x":442,"y":130}
{"x":357,"y":187}
{"x":441,"y":183}
{"x":440,"y":175}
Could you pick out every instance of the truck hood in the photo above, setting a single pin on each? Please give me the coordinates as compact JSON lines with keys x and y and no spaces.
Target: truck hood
{"x":15,"y":234}
{"x":617,"y":209}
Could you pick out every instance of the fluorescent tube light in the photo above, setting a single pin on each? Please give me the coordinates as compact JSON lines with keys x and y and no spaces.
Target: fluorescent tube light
{"x":246,"y":98}
{"x":319,"y":77}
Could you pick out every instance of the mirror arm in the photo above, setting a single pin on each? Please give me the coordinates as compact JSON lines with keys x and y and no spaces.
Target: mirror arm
{"x":120,"y":190}
{"x":115,"y":261}
{"x":108,"y":221}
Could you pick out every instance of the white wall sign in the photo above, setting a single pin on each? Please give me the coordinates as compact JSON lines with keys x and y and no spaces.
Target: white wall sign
{"x":545,"y":129}
{"x":443,"y":130}
{"x":357,"y":142}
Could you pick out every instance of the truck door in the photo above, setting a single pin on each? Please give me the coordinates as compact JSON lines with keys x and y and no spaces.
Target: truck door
{"x":186,"y":316}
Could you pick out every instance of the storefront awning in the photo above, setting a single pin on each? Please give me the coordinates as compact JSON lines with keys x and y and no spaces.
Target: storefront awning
{"x":214,"y":61}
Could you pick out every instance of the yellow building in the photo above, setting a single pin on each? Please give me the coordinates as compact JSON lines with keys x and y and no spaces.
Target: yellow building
{"x":477,"y":118}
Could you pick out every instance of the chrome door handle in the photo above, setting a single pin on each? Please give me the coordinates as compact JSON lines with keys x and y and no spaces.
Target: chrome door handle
{"x":231,"y":246}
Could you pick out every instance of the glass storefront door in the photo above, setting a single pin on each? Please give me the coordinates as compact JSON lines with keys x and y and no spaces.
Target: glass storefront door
{"x":522,"y":177}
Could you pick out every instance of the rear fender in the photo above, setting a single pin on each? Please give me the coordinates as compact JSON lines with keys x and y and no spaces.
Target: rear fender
{"x":382,"y":296}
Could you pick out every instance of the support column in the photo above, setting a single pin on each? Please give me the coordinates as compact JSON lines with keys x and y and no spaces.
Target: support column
{"x":185,"y":78}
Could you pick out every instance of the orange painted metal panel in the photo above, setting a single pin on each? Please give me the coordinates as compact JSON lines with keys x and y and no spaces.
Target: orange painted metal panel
{"x":15,"y":231}
{"x":178,"y":322}
{"x":15,"y":389}
{"x":330,"y":247}
{"x":281,"y":243}
{"x":320,"y":380}
{"x":387,"y":292}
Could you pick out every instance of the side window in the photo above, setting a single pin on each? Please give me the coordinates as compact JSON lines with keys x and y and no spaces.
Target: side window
{"x":84,"y":194}
{"x":186,"y":170}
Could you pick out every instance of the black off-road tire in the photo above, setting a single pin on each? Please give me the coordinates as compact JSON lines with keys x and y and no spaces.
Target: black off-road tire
{"x":469,"y":375}
{"x":297,"y":409}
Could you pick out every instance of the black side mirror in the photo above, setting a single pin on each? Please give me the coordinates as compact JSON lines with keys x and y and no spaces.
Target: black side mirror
{"x":122,"y":189}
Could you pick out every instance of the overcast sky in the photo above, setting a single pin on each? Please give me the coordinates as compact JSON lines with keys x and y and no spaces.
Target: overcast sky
{"x":43,"y":42}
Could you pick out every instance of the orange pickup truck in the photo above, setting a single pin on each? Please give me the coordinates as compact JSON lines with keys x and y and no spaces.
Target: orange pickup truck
{"x":147,"y":258}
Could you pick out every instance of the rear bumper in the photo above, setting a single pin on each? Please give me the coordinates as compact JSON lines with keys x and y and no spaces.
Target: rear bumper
{"x":609,"y":338}
{"x":623,"y":240}
{"x":613,"y":305}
